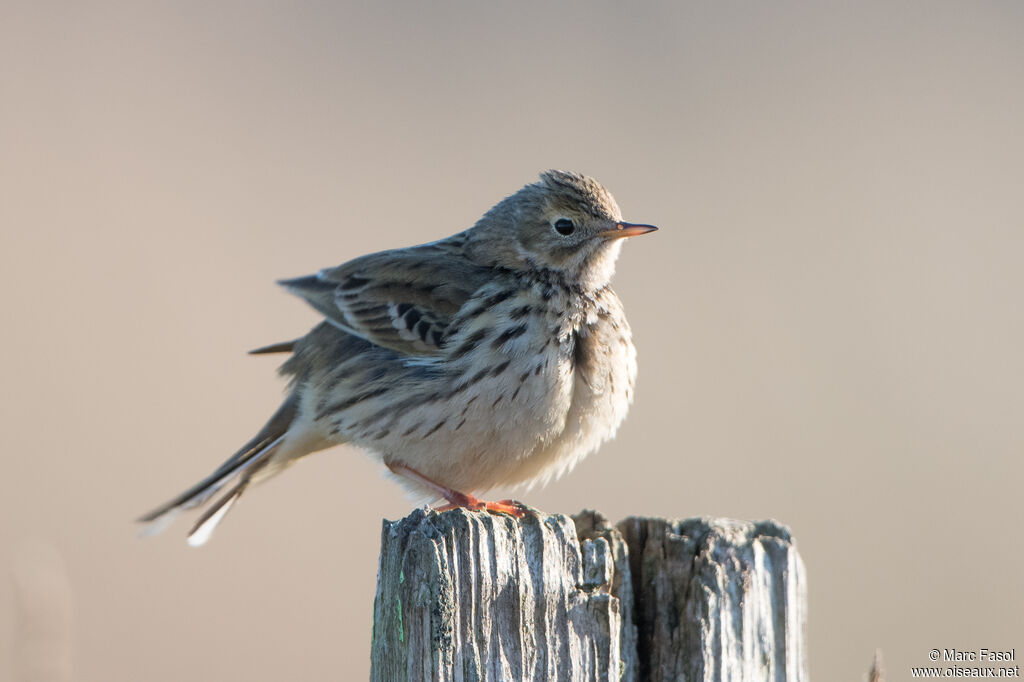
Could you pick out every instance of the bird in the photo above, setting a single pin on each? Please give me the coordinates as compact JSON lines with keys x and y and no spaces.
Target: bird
{"x":499,"y":356}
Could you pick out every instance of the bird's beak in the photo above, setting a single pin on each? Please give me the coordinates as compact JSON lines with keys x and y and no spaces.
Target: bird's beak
{"x":626,"y":230}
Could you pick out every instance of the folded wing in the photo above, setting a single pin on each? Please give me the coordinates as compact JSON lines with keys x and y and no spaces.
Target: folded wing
{"x":403,"y":299}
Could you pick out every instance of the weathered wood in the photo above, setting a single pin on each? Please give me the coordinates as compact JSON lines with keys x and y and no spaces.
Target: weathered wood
{"x":877,"y":672}
{"x":470,"y":596}
{"x":717,"y":600}
{"x":590,"y":527}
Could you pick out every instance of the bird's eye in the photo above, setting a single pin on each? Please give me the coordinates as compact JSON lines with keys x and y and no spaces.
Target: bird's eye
{"x":564,"y":226}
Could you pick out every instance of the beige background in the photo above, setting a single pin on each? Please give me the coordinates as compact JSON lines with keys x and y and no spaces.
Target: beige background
{"x":829,"y":322}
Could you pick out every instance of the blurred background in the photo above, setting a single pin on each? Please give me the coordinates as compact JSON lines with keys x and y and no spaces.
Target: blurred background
{"x":829,"y":322}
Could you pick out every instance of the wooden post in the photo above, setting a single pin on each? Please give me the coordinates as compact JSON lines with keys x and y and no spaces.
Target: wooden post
{"x":717,"y":600}
{"x":472,"y":596}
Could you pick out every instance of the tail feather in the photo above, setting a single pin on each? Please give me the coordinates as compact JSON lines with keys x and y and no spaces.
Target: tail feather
{"x":283,"y":347}
{"x":204,"y":489}
{"x":206,"y":524}
{"x":255,"y":453}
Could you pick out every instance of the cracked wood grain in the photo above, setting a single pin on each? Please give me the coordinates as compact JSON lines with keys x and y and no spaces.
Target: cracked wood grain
{"x":471,"y":596}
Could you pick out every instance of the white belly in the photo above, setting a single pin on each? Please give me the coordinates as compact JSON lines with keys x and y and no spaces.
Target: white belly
{"x":511,"y":412}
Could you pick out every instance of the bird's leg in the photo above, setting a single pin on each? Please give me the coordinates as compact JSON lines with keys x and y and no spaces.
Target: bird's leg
{"x":509,"y":507}
{"x":455,"y":498}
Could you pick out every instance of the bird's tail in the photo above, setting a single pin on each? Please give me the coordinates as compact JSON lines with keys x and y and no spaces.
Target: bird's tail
{"x":243,"y":465}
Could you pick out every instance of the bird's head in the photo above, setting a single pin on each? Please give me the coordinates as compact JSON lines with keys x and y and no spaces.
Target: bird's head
{"x":567,"y":223}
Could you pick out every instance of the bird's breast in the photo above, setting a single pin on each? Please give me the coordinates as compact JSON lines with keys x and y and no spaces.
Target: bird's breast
{"x":528,"y":385}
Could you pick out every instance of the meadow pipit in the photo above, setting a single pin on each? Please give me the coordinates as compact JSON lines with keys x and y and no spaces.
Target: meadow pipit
{"x":497,"y":356}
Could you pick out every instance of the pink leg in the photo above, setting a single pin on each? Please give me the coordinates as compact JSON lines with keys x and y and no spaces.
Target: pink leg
{"x":454,"y":497}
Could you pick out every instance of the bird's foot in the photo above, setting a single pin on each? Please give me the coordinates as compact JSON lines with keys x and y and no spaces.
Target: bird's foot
{"x":513,"y":508}
{"x":456,"y":499}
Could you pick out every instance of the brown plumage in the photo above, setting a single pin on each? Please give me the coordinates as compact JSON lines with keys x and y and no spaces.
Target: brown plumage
{"x":497,"y":356}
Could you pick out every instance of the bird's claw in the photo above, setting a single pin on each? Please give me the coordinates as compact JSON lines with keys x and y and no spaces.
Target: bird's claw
{"x":513,"y":508}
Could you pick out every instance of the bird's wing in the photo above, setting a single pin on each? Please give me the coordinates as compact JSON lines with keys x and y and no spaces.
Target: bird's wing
{"x":402,"y":299}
